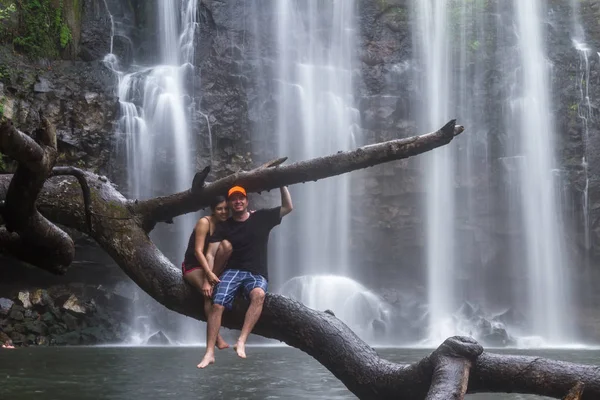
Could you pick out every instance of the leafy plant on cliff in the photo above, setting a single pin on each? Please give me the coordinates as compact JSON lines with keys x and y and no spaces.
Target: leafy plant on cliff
{"x":43,"y":30}
{"x":7,"y":12}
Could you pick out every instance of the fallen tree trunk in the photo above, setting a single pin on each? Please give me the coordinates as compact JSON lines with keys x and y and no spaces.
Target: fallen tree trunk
{"x":457,"y":367}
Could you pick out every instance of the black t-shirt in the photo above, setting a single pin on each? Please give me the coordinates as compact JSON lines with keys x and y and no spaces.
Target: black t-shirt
{"x":249,"y":240}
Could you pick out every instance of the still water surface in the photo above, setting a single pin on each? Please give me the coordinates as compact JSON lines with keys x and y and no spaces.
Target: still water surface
{"x":149,"y":373}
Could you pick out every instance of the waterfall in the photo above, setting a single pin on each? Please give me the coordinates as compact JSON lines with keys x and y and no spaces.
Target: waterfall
{"x":470,"y":56}
{"x":547,"y":269}
{"x":154,"y":132}
{"x":434,"y":51}
{"x":315,"y":115}
{"x":584,"y":109}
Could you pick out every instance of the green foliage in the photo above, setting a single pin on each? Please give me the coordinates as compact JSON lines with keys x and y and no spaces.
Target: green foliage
{"x":2,"y":100}
{"x":43,"y":28}
{"x":7,"y":9}
{"x":4,"y":73}
{"x":7,"y":13}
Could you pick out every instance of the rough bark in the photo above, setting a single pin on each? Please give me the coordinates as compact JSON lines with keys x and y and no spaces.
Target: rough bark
{"x":457,"y":366}
{"x":26,"y":233}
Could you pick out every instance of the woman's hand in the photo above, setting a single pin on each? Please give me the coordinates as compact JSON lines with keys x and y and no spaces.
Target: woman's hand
{"x":207,"y":289}
{"x":212,"y":278}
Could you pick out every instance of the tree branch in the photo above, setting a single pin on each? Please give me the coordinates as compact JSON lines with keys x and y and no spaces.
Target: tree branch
{"x":19,"y":146}
{"x":452,"y":362}
{"x":80,"y":176}
{"x":55,"y":248}
{"x":162,"y":209}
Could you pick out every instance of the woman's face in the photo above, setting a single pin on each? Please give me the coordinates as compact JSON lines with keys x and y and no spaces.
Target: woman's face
{"x":221,"y":212}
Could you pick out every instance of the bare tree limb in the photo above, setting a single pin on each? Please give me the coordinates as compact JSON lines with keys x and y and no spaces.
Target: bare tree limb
{"x":19,"y":146}
{"x":55,"y":248}
{"x":166,"y":208}
{"x":80,"y":176}
{"x":452,"y":362}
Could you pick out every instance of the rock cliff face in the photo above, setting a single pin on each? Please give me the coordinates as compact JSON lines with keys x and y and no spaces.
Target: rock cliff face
{"x":78,"y":94}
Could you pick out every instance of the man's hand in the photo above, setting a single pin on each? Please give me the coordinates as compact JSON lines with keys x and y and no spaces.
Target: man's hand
{"x":207,"y":289}
{"x":212,"y":278}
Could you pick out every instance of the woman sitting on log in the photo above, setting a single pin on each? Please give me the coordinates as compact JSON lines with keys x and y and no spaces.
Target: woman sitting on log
{"x":195,"y":267}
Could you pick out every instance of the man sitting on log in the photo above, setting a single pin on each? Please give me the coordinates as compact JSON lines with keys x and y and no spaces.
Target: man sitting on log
{"x":248,"y":234}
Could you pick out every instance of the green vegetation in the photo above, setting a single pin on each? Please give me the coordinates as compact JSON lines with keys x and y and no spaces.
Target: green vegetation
{"x":7,"y":14}
{"x":41,"y":31}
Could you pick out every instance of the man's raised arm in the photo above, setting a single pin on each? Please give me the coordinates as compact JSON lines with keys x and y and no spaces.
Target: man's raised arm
{"x":286,"y":202}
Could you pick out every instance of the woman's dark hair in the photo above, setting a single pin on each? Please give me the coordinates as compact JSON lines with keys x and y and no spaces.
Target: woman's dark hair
{"x":216,"y":201}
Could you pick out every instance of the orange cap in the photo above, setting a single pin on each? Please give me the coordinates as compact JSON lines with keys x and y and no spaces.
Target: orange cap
{"x":236,"y":189}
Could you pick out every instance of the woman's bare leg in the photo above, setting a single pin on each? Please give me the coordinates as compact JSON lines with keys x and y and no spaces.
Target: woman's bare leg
{"x":196,"y":279}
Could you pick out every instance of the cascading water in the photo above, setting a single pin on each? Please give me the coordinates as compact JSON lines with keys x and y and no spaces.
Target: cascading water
{"x":460,"y":46}
{"x":584,"y":108}
{"x":549,"y":297}
{"x":434,"y":46}
{"x":155,"y":132}
{"x":316,"y":116}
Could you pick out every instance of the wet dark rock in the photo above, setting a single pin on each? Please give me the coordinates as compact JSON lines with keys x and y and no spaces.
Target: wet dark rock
{"x":37,"y":327}
{"x":69,"y":338}
{"x":102,"y":321}
{"x":71,"y":321}
{"x":16,"y":315}
{"x":18,"y":338}
{"x":511,"y":317}
{"x":48,"y":318}
{"x":159,"y":338}
{"x":95,"y":335}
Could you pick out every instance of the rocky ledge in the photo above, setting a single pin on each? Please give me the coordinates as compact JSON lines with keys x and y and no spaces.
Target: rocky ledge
{"x":64,"y":315}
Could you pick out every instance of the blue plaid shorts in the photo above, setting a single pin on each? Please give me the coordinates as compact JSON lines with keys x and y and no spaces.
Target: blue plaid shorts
{"x":231,"y":280}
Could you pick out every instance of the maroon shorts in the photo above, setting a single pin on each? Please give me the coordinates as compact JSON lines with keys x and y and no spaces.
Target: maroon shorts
{"x":188,"y":268}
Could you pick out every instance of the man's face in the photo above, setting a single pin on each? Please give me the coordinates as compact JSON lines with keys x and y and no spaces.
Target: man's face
{"x":238,"y":202}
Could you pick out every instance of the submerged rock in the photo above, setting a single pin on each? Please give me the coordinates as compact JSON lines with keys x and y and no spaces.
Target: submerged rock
{"x":159,"y":338}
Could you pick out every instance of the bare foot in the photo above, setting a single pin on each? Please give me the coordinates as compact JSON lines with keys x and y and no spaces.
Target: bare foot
{"x":207,"y":360}
{"x":221,"y":343}
{"x":240,"y":349}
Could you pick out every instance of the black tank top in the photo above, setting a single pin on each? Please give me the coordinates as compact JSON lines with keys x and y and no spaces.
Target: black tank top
{"x":190,"y":252}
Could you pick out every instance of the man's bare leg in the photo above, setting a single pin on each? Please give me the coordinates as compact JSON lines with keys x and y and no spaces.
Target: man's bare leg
{"x":212,"y":331}
{"x":221,"y":343}
{"x":257,"y":299}
{"x":197,"y":279}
